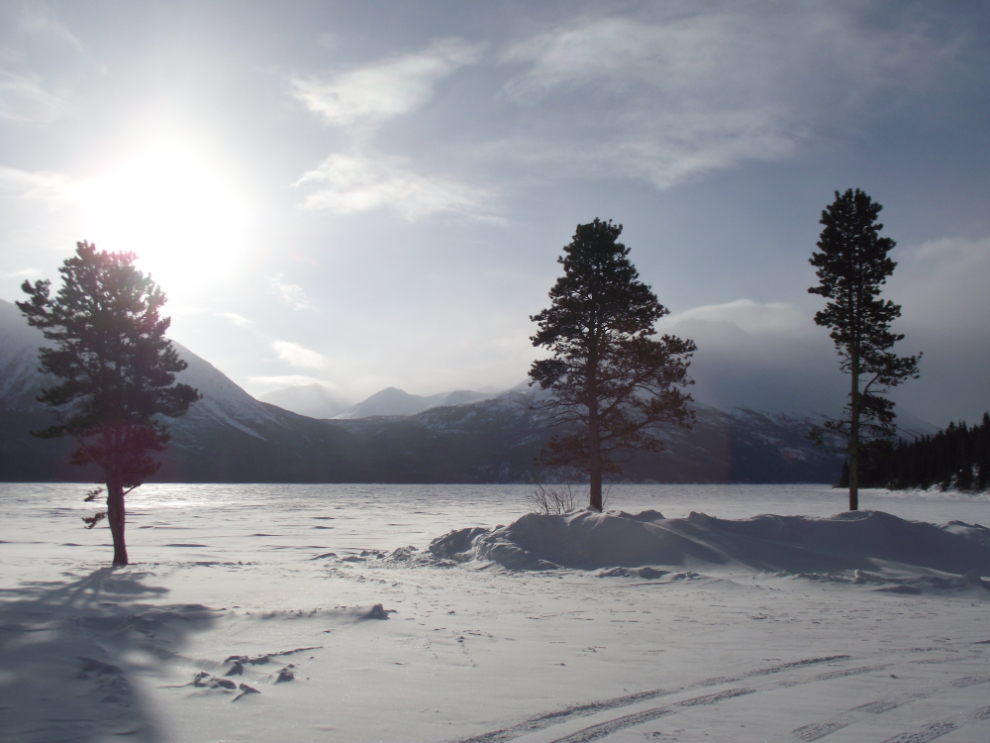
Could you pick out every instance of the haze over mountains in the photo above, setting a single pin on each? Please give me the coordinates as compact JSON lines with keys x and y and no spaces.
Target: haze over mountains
{"x":393,"y":436}
{"x":314,"y":400}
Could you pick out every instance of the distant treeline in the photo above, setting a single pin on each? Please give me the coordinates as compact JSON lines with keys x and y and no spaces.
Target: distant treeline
{"x":958,"y":457}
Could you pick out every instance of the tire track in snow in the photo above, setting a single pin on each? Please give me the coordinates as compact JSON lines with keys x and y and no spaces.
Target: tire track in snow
{"x":818,"y":730}
{"x":550,"y":719}
{"x":810,"y":732}
{"x":925,"y":734}
{"x":603,"y":729}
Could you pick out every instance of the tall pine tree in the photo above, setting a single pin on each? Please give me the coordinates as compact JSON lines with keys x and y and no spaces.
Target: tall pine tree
{"x":612,"y":381}
{"x":852,"y":268}
{"x":117,"y":371}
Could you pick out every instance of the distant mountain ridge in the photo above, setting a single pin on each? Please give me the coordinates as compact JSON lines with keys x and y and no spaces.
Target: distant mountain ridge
{"x":456,"y":437}
{"x":392,"y":401}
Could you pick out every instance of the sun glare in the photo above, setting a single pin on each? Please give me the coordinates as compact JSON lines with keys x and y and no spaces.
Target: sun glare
{"x":172,"y":206}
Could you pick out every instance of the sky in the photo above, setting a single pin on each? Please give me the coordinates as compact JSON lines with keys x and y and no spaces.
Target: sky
{"x":375,"y":194}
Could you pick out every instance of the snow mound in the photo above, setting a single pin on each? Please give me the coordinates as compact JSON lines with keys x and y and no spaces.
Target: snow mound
{"x":857,"y":540}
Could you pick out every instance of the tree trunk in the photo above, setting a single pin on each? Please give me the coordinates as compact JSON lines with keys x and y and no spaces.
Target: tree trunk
{"x":115,"y":515}
{"x":595,"y":463}
{"x":854,"y":435}
{"x":596,"y":485}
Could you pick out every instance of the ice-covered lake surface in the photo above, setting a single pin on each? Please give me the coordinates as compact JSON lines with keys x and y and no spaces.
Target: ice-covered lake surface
{"x":249,"y":614}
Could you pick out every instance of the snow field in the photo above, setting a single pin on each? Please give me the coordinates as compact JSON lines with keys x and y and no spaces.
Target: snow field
{"x":242,"y":621}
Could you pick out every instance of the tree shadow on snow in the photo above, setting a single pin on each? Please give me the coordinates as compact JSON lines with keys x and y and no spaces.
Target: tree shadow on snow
{"x":68,"y":650}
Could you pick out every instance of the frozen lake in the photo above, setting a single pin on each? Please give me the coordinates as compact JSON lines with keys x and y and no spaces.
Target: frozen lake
{"x":226,"y":519}
{"x":236,"y":623}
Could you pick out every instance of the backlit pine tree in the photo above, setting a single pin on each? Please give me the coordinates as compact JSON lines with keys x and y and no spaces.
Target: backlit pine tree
{"x":116,"y":370}
{"x":613,"y":383}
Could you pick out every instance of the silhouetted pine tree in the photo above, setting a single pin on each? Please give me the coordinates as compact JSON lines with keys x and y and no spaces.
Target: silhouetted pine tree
{"x":852,"y":268}
{"x":612,"y":380}
{"x":116,"y":371}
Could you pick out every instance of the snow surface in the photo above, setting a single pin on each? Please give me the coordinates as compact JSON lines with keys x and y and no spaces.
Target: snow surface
{"x":296,"y":613}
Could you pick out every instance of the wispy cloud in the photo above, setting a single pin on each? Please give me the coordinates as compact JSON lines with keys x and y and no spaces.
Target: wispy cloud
{"x":40,"y":185}
{"x":952,"y":251}
{"x":942,"y":285}
{"x":289,"y":380}
{"x":665,"y":97}
{"x":24,"y":98}
{"x":292,"y":294}
{"x":365,"y":97}
{"x":238,"y":320}
{"x":38,"y":19}
{"x":298,"y":356}
{"x":350,"y":183}
{"x":35,"y":45}
{"x":750,"y":316}
{"x":24,"y":273}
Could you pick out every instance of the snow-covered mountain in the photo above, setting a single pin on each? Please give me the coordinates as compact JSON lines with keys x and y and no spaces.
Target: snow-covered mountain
{"x":312,"y":400}
{"x":227,"y":435}
{"x":465,"y":436}
{"x":391,"y":401}
{"x":224,"y":403}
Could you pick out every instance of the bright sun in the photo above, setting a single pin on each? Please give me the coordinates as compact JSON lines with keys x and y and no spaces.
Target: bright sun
{"x":174,"y":208}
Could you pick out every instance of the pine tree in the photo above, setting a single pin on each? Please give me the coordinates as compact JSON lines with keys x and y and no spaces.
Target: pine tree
{"x":852,"y":268}
{"x":117,"y":371}
{"x":612,"y":381}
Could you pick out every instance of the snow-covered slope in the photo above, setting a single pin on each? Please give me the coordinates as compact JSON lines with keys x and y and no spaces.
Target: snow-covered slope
{"x":20,"y":380}
{"x":227,"y":435}
{"x":223,"y":402}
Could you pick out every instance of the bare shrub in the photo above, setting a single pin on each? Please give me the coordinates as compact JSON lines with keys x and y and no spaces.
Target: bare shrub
{"x":564,"y":495}
{"x":553,"y":499}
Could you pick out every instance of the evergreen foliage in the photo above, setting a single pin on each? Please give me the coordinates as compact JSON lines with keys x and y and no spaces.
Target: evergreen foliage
{"x":956,"y":457}
{"x":852,"y":268}
{"x":612,"y":381}
{"x":116,"y":370}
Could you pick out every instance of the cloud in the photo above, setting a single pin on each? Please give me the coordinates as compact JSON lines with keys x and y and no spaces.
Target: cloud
{"x":238,"y":320}
{"x":941,"y":285}
{"x":33,"y":46}
{"x":671,"y":91}
{"x":23,"y":98}
{"x":292,"y":294}
{"x":289,"y":380}
{"x":39,"y":185}
{"x":366,"y":97}
{"x":39,"y":20}
{"x":296,"y":355}
{"x":351,"y":183}
{"x":773,"y":356}
{"x":24,"y":273}
{"x":765,"y":356}
{"x":750,"y":316}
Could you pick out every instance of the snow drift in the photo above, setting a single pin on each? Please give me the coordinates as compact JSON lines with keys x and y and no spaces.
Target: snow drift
{"x":858,"y":540}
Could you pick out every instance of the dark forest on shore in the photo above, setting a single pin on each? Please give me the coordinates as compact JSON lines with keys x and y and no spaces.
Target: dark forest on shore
{"x":955,"y":457}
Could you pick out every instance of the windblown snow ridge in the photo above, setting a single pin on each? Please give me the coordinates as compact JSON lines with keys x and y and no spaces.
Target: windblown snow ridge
{"x":858,"y":540}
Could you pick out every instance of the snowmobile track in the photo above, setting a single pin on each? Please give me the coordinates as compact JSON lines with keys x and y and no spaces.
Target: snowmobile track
{"x":550,"y":719}
{"x":811,"y":732}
